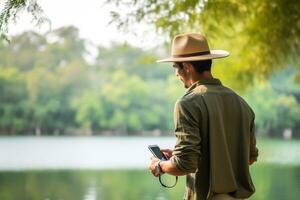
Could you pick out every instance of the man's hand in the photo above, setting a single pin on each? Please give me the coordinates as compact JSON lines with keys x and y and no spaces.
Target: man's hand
{"x":166,"y":166}
{"x":153,"y":163}
{"x":167,"y":152}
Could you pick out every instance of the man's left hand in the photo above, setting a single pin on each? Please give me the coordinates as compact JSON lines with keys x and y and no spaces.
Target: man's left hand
{"x":153,"y":163}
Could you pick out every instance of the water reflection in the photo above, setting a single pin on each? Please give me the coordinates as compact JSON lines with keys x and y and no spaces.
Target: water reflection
{"x":276,"y":176}
{"x":91,"y":193}
{"x":272,"y":182}
{"x":27,"y":153}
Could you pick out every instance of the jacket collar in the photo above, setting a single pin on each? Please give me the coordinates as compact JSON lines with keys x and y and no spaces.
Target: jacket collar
{"x":205,"y":81}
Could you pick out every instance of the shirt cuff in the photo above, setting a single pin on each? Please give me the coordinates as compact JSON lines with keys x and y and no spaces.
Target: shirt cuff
{"x":181,"y":166}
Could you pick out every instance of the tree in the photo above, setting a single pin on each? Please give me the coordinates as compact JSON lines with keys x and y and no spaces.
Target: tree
{"x":276,"y":103}
{"x":47,"y":87}
{"x":37,"y":88}
{"x":141,"y":97}
{"x":261,"y":35}
{"x":13,"y":106}
{"x":10,"y":10}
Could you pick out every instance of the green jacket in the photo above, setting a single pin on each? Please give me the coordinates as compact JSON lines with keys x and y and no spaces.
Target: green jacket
{"x":214,"y":128}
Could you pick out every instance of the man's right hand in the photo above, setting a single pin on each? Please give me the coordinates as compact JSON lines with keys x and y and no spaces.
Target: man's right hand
{"x":167,"y":152}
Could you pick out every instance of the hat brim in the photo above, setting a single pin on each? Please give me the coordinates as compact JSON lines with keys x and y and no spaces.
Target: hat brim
{"x":214,"y":54}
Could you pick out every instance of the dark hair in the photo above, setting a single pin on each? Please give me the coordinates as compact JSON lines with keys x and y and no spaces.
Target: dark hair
{"x":202,"y":65}
{"x":180,"y":65}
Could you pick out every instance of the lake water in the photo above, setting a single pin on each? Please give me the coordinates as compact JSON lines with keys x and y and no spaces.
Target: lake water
{"x":26,"y":153}
{"x":115,"y":168}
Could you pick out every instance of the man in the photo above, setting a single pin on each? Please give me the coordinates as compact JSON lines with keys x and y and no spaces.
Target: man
{"x":214,"y":128}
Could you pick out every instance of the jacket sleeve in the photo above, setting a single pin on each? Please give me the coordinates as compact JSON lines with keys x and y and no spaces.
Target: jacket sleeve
{"x":187,"y":149}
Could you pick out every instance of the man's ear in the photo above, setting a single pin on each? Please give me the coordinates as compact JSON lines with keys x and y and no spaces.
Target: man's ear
{"x":187,"y":67}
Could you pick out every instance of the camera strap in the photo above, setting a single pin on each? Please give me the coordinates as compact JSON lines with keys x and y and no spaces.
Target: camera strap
{"x":166,"y":186}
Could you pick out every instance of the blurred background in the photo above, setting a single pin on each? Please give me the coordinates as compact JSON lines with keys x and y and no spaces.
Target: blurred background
{"x":81,"y":96}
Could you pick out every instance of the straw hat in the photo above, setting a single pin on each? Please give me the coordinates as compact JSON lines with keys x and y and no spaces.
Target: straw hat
{"x":192,"y":47}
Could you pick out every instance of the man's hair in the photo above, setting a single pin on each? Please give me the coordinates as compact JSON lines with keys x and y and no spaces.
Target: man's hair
{"x":201,"y":65}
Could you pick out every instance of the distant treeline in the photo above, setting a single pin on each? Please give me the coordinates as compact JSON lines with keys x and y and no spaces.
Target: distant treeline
{"x":51,"y":85}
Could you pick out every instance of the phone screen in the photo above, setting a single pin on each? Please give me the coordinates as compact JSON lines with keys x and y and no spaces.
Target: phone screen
{"x":156,"y":152}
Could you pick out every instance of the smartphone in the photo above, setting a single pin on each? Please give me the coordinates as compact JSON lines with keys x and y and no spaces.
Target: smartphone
{"x":155,"y":150}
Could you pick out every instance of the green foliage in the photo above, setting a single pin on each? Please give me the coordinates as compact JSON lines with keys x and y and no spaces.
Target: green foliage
{"x":51,"y":89}
{"x":13,"y":107}
{"x":58,"y":92}
{"x":10,"y":10}
{"x":263,"y":100}
{"x":276,"y":103}
{"x":261,"y":35}
{"x":45,"y":77}
{"x":90,"y":110}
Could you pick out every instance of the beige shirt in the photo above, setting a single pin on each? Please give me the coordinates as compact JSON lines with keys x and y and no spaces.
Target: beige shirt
{"x":214,"y":128}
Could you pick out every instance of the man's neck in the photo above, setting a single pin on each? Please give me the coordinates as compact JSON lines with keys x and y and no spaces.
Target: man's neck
{"x":196,"y":77}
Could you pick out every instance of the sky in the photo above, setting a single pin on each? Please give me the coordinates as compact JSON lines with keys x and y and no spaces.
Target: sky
{"x":91,"y":17}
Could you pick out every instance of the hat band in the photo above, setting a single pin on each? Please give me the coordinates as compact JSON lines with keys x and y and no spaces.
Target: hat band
{"x":192,"y":54}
